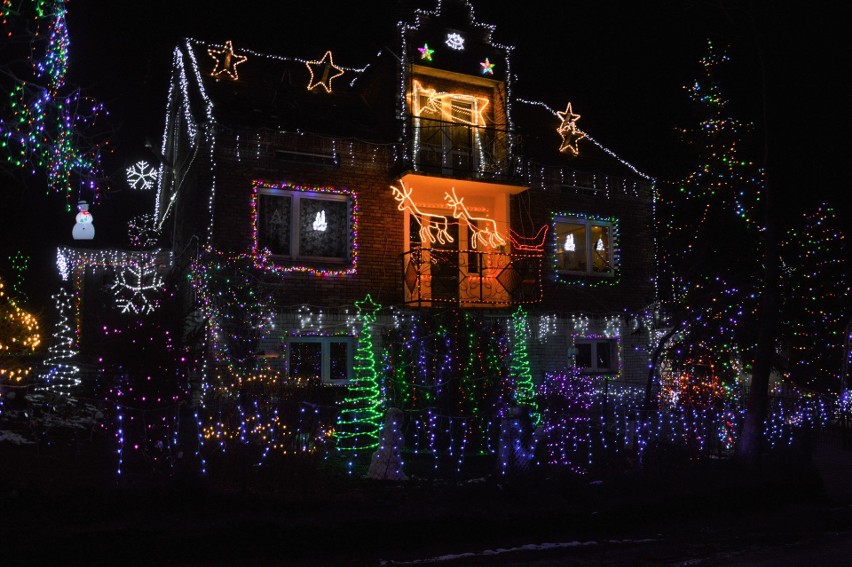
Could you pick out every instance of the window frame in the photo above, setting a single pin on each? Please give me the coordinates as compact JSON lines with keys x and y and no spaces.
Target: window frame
{"x":611,"y":227}
{"x":595,"y":342}
{"x":325,"y":355}
{"x":297,"y":195}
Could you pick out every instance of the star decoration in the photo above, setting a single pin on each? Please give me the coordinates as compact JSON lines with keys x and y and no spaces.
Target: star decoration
{"x":226,"y":61}
{"x":487,"y":67}
{"x":321,"y":72}
{"x":425,"y":52}
{"x":367,"y":307}
{"x":567,"y":115}
{"x":569,"y":132}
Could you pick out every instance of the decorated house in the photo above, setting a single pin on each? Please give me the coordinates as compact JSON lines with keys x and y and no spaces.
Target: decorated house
{"x":409,"y":232}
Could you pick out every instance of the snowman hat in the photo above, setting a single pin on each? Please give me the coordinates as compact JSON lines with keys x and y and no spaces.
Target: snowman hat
{"x":82,"y":206}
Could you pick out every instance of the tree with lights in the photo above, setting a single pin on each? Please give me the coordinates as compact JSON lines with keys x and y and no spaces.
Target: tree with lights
{"x":361,"y":412}
{"x":710,"y":252}
{"x":47,"y":126}
{"x":817,"y":312}
{"x":60,"y":374}
{"x":520,"y":365}
{"x":20,"y":339}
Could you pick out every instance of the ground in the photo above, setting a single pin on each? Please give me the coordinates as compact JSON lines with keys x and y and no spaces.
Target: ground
{"x":67,"y":506}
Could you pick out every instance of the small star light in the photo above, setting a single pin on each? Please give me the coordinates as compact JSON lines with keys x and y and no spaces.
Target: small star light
{"x":322,"y":69}
{"x":569,"y":132}
{"x":455,"y":41}
{"x":141,"y":175}
{"x":425,"y":52}
{"x":367,"y":307}
{"x":487,"y":67}
{"x":226,"y":61}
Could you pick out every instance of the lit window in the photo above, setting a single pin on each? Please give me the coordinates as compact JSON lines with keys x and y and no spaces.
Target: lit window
{"x":583,"y":246}
{"x":318,"y":359}
{"x":304,"y":224}
{"x":596,"y":355}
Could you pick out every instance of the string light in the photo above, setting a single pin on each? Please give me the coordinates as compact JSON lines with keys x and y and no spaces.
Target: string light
{"x":141,"y":175}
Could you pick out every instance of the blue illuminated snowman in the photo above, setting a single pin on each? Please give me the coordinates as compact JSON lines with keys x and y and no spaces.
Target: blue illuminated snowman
{"x":84,"y":229}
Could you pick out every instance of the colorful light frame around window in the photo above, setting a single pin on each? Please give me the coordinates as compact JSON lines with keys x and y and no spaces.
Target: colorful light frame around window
{"x":262,"y":257}
{"x":587,"y":280}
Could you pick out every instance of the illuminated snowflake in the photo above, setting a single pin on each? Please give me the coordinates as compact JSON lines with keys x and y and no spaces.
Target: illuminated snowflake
{"x":136,"y":288}
{"x":141,"y":175}
{"x":455,"y":41}
{"x":142,"y":232}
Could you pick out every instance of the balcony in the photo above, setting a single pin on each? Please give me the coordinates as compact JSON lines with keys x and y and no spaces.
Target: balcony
{"x":435,"y":277}
{"x":456,"y":150}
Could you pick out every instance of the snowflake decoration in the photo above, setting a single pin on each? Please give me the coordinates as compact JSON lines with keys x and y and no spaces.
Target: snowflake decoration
{"x":135,"y":289}
{"x":142,"y":232}
{"x":455,"y":41}
{"x":141,"y":175}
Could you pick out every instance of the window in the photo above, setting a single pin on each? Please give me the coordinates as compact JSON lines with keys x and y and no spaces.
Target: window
{"x":304,"y":225}
{"x":596,"y":355}
{"x":583,"y":246}
{"x":318,"y":359}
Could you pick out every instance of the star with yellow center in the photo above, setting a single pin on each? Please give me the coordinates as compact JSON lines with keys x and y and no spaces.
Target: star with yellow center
{"x":226,"y":61}
{"x":425,"y":52}
{"x":487,"y":67}
{"x":322,"y":72}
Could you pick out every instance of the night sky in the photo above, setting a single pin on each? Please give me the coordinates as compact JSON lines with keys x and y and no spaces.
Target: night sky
{"x":623,"y":66}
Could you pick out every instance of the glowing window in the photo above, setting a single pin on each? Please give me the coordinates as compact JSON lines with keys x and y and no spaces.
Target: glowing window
{"x":304,"y":225}
{"x":583,"y":246}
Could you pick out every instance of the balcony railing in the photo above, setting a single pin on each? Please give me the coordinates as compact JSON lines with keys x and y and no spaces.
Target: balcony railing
{"x":434,"y":277}
{"x":459,"y":150}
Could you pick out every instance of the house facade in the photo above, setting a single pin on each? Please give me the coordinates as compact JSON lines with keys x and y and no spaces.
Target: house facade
{"x":296,"y":190}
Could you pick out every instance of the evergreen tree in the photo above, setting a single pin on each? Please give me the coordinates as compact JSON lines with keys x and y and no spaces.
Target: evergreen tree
{"x":710,"y":241}
{"x":520,"y":365}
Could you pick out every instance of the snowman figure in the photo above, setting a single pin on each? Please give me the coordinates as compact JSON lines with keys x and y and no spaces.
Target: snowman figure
{"x":84,"y":229}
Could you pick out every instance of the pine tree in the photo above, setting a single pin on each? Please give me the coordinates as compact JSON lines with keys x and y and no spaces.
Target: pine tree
{"x":520,"y":365}
{"x":710,"y":240}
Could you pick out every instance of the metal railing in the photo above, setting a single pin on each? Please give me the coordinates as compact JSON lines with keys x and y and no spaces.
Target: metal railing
{"x":434,"y":276}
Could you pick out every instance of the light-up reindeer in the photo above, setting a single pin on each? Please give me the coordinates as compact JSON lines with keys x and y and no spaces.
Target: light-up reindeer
{"x":435,"y":227}
{"x":483,"y":229}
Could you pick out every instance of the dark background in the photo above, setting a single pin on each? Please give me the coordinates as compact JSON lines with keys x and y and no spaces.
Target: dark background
{"x":623,"y":66}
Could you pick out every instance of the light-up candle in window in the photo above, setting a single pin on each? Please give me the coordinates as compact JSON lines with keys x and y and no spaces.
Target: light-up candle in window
{"x":319,"y":222}
{"x":569,"y":243}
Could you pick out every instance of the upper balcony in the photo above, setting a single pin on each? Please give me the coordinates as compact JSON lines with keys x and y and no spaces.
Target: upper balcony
{"x":460,"y":151}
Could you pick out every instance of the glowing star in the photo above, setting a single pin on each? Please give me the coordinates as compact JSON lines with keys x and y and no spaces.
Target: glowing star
{"x":568,"y":130}
{"x":567,"y":116}
{"x":367,"y":306}
{"x":141,"y":175}
{"x":321,"y":72}
{"x":455,"y":41}
{"x":226,"y":61}
{"x":487,"y":67}
{"x":319,"y":222}
{"x":425,"y":52}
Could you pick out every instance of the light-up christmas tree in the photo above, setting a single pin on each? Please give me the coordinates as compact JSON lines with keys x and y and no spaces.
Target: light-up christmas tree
{"x":20,"y":339}
{"x":361,"y":413}
{"x":60,"y":374}
{"x":710,"y":242}
{"x":520,"y":365}
{"x":817,"y":310}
